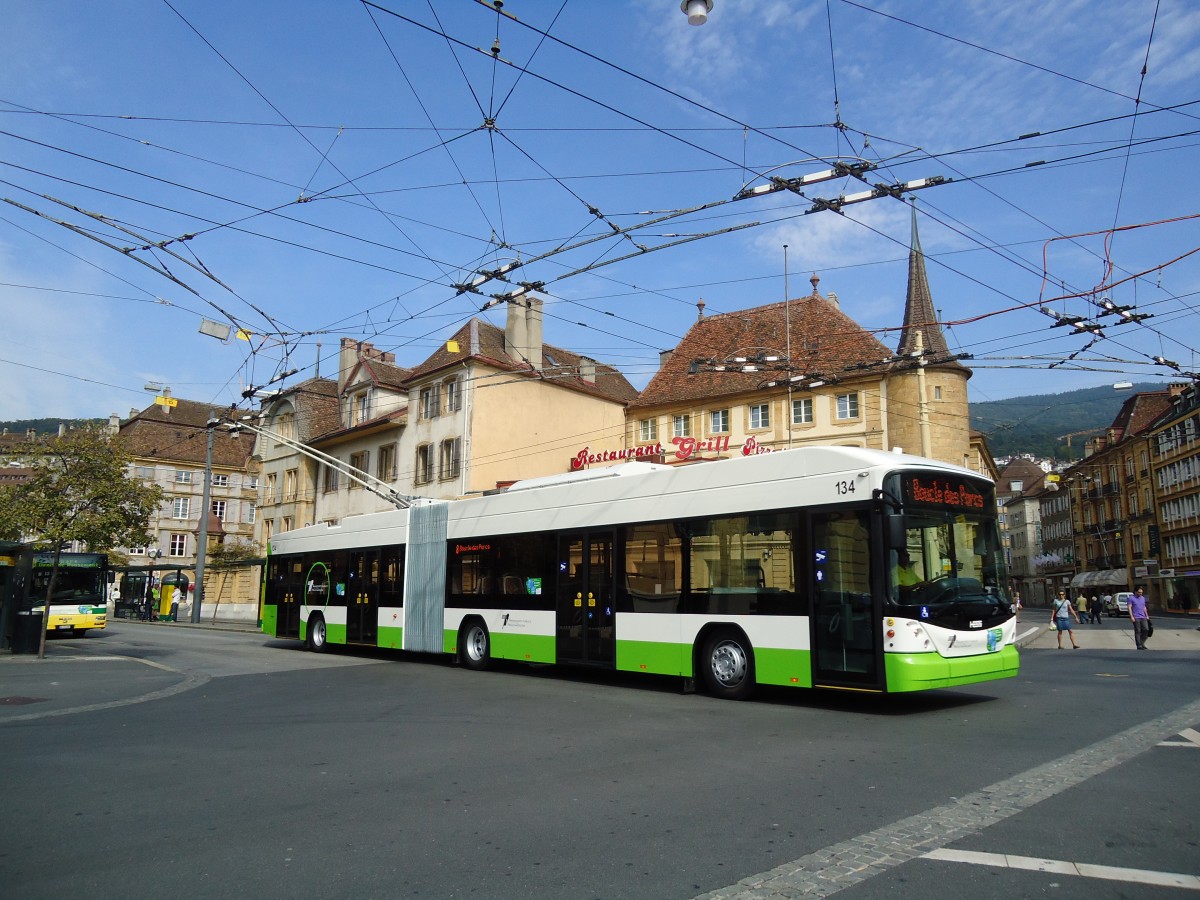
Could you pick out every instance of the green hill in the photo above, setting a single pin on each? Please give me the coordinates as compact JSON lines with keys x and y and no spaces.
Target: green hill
{"x":1039,"y":424}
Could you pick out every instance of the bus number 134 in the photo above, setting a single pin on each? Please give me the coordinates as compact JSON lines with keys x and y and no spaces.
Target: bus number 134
{"x":844,"y":487}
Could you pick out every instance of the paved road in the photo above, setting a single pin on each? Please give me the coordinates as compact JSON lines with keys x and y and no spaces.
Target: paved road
{"x":180,"y":762}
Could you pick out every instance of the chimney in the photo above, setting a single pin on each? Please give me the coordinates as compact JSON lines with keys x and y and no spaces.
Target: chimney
{"x":132,"y":413}
{"x":347,"y":360}
{"x":587,"y":369}
{"x":833,"y":299}
{"x":515,"y":337}
{"x":114,"y":423}
{"x":62,"y":429}
{"x":533,"y":332}
{"x":664,"y":357}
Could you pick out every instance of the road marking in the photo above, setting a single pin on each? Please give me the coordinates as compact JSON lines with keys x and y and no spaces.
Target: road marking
{"x":1191,"y":738}
{"x":839,"y":866}
{"x":1062,"y":867}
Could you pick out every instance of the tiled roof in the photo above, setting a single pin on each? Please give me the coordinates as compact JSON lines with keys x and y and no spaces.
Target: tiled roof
{"x":316,"y":405}
{"x":385,"y":374}
{"x":824,"y":341}
{"x":1140,"y":411}
{"x":179,"y":436}
{"x":484,"y":342}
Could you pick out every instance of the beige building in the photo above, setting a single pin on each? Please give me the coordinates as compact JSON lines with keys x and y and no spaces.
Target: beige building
{"x":802,"y":372}
{"x":168,"y":444}
{"x":288,"y":478}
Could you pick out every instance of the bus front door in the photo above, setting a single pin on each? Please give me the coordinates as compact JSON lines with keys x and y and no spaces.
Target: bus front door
{"x":362,"y":598}
{"x":846,"y":617}
{"x":584,"y":605}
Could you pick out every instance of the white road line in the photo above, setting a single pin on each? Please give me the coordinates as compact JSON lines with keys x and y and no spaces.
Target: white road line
{"x":1063,"y":867}
{"x":1191,"y":738}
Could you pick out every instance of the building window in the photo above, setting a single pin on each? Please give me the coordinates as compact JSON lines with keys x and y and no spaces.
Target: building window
{"x":220,"y":480}
{"x":268,"y":529}
{"x":287,"y":523}
{"x":359,"y":461}
{"x":285,"y":427}
{"x":648,"y":430}
{"x":937,"y":393}
{"x":137,"y":551}
{"x":385,"y":470}
{"x":272,"y":488}
{"x":424,"y":464}
{"x":760,"y":415}
{"x":360,"y":409}
{"x":453,"y":395}
{"x":181,"y":507}
{"x":253,"y":484}
{"x":218,"y":508}
{"x":290,"y":479}
{"x":847,"y":406}
{"x":448,"y":459}
{"x":182,"y":477}
{"x":802,"y":411}
{"x":178,"y":545}
{"x":719,"y":421}
{"x":431,"y":401}
{"x":330,"y":481}
{"x":681,"y":426}
{"x":143,"y":472}
{"x":251,"y":511}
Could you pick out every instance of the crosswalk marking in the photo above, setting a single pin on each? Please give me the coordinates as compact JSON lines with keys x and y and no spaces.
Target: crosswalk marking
{"x":1063,"y":867}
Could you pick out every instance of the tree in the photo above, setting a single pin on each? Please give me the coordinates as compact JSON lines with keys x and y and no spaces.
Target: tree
{"x":81,"y":491}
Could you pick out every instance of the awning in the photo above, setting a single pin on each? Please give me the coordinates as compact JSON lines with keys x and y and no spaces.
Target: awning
{"x":1105,"y":577}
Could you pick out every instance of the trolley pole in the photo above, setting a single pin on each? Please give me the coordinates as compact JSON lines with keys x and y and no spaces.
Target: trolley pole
{"x":205,"y":503}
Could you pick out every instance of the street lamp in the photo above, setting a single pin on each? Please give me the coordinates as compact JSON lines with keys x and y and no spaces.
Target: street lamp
{"x":696,"y":10}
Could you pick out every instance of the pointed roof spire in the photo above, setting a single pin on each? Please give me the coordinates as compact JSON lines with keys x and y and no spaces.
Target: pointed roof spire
{"x":919,"y":314}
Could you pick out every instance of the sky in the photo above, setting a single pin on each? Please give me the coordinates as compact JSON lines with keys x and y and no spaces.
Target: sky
{"x":309,"y":170}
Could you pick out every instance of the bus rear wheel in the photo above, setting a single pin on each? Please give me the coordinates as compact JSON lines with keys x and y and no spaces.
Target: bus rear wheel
{"x":727,"y":665}
{"x":476,"y":650}
{"x":318,"y":639}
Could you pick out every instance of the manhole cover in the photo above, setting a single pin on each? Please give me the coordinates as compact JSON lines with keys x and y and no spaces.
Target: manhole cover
{"x":21,"y":701}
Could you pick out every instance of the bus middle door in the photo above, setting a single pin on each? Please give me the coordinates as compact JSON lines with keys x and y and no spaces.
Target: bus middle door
{"x":584,"y":606}
{"x":362,"y":600}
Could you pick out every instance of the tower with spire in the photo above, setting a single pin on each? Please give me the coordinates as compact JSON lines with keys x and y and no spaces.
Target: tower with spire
{"x":927,"y":389}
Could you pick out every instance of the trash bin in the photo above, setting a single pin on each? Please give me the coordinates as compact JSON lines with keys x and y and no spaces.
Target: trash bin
{"x":27,"y":632}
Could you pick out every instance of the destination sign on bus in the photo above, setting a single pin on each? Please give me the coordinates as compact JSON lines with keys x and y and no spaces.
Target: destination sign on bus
{"x":942,"y":490}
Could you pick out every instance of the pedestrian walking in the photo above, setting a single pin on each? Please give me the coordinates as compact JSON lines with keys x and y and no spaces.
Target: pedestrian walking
{"x":1081,"y":605}
{"x":1140,"y":616}
{"x":1094,"y":610}
{"x":1061,"y":614}
{"x":1017,"y":605}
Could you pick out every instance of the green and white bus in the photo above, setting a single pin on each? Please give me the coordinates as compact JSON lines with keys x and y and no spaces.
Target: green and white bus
{"x":775,"y":569}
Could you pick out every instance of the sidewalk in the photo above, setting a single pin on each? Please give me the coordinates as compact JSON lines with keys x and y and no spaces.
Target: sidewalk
{"x":1171,"y":632}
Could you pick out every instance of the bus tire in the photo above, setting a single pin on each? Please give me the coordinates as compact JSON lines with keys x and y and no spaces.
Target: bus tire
{"x":727,"y":665}
{"x":475,"y":645}
{"x":318,"y":637}
{"x":78,"y":632}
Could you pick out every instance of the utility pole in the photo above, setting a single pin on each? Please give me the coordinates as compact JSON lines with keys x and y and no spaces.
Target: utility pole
{"x":205,"y":503}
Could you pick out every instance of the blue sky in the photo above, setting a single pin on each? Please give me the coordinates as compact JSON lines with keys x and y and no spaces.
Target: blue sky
{"x":327,"y":169}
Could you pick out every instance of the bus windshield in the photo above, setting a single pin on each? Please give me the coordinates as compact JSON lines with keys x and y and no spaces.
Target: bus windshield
{"x":949,"y":565}
{"x":85,"y":585}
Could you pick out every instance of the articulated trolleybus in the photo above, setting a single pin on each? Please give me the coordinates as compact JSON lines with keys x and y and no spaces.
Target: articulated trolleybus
{"x":779,"y":569}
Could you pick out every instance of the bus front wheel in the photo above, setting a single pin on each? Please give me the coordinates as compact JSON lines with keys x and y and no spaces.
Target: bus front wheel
{"x":476,"y":650}
{"x":318,"y":640}
{"x":727,"y":665}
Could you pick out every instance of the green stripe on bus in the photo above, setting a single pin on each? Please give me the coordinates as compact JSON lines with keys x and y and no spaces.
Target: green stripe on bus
{"x":270,"y":620}
{"x":923,"y":671}
{"x":656,"y":657}
{"x":390,"y":637}
{"x":790,"y":668}
{"x":523,"y":647}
